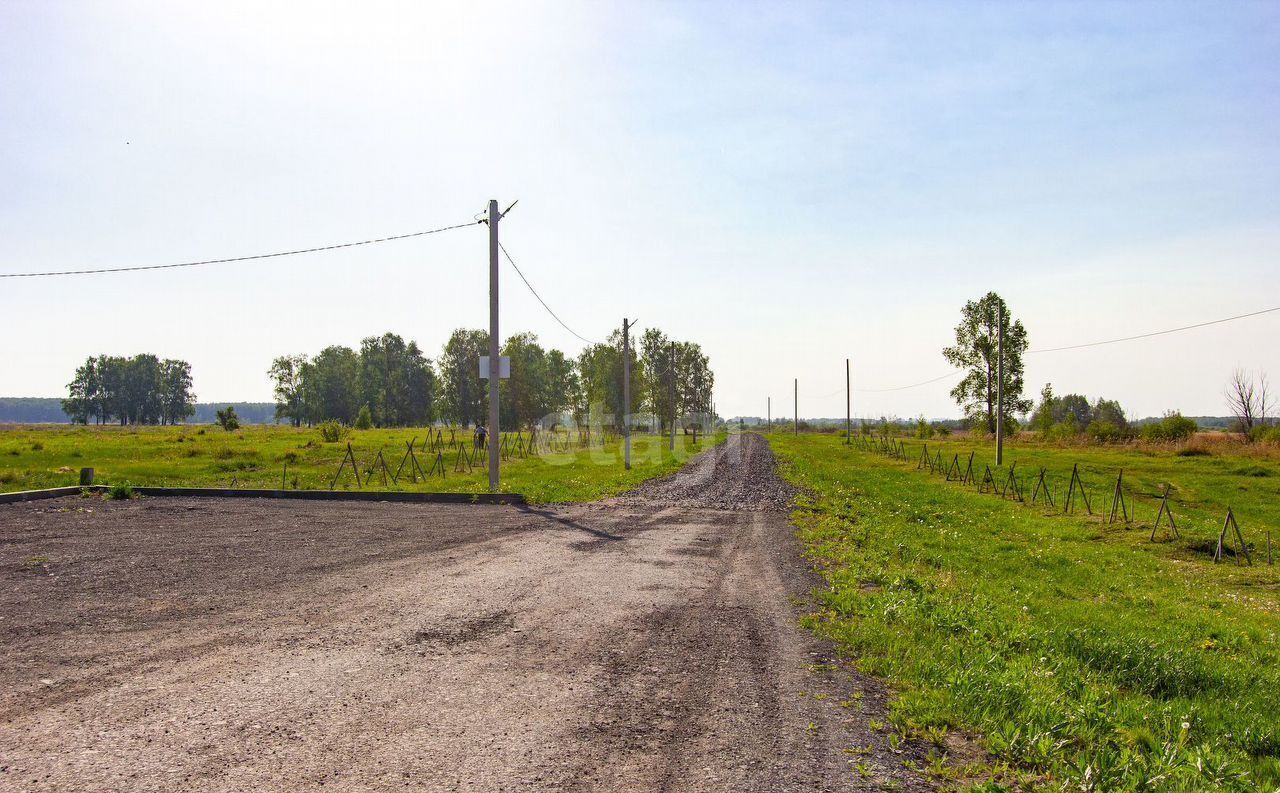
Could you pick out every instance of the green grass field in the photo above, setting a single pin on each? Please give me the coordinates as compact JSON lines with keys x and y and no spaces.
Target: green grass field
{"x":44,"y":456}
{"x":1081,"y":654}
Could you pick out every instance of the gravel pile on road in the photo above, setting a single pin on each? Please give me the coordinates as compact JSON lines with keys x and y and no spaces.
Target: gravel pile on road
{"x":740,"y":474}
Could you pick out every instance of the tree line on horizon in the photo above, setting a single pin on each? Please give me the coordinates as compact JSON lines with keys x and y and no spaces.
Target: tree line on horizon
{"x":393,"y":383}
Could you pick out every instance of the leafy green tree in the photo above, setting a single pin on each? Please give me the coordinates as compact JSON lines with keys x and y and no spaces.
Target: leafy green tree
{"x":140,"y":394}
{"x":228,"y":420}
{"x":1073,"y":409}
{"x":421,"y":387}
{"x":364,"y":419}
{"x":924,"y":430}
{"x":694,"y":379}
{"x":1043,"y":418}
{"x":1109,"y":411}
{"x":526,"y":396}
{"x":111,"y":370}
{"x":333,"y":385}
{"x":600,"y":366}
{"x":975,"y":351}
{"x":463,"y":395}
{"x":138,"y":390}
{"x":600,"y":370}
{"x":85,"y":397}
{"x":655,"y":355}
{"x":177,"y":403}
{"x":686,"y":364}
{"x":1172,"y":427}
{"x":288,"y":374}
{"x":397,"y":382}
{"x":563,"y":384}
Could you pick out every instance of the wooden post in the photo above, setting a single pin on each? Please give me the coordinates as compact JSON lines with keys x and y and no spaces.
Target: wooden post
{"x":999,"y":386}
{"x":350,"y":455}
{"x":671,"y":392}
{"x":1118,"y":506}
{"x":1242,"y":547}
{"x":495,"y":351}
{"x":848,"y":406}
{"x":626,"y":394}
{"x":1076,"y":486}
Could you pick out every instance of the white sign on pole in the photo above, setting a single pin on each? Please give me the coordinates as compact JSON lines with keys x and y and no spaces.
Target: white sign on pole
{"x":504,"y":367}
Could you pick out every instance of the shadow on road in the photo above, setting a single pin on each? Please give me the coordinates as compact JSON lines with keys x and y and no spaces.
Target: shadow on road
{"x":573,"y":524}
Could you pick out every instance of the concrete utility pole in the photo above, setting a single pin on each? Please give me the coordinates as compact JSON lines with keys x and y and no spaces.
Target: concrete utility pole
{"x":999,"y":385}
{"x":671,"y":391}
{"x":848,"y":406}
{"x":626,"y":393}
{"x":797,"y":402}
{"x":495,"y":360}
{"x":769,"y":413}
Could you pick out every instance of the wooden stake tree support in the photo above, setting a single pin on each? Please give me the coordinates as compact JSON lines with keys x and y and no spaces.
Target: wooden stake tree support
{"x":1012,"y":484}
{"x":1076,"y":486}
{"x":987,"y":479}
{"x":1165,"y":510}
{"x":462,"y":463}
{"x":380,"y":466}
{"x":355,"y":469}
{"x":414,"y":468}
{"x":1042,"y":486}
{"x":969,"y":478}
{"x":924,"y":461}
{"x":937,"y":463}
{"x":954,"y":468}
{"x":437,"y":465}
{"x":1118,"y":506}
{"x":1224,"y":543}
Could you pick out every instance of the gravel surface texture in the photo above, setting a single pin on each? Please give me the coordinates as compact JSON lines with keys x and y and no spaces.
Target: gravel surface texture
{"x":644,"y":643}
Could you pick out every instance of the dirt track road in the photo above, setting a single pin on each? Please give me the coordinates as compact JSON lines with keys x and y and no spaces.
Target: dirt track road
{"x":647,"y":643}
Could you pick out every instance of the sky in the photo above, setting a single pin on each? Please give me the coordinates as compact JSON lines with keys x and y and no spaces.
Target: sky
{"x":788,"y":185}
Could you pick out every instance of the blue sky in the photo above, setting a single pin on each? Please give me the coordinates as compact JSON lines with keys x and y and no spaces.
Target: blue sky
{"x":788,"y":184}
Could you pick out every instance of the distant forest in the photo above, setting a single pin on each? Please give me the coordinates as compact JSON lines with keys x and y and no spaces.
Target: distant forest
{"x":48,"y":410}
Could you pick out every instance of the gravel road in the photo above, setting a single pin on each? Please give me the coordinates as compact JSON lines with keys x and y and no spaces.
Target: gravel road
{"x":644,"y":643}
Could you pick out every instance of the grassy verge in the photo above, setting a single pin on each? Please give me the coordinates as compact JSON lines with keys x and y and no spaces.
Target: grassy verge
{"x":272,"y":457}
{"x":1083,"y":655}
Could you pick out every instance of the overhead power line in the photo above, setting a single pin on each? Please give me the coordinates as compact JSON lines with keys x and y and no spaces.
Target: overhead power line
{"x":905,"y":387}
{"x":839,"y":390}
{"x":1157,"y":332}
{"x":539,"y":297}
{"x":237,"y":258}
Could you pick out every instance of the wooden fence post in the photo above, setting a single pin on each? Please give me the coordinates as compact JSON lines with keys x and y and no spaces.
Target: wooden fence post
{"x":1165,"y":510}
